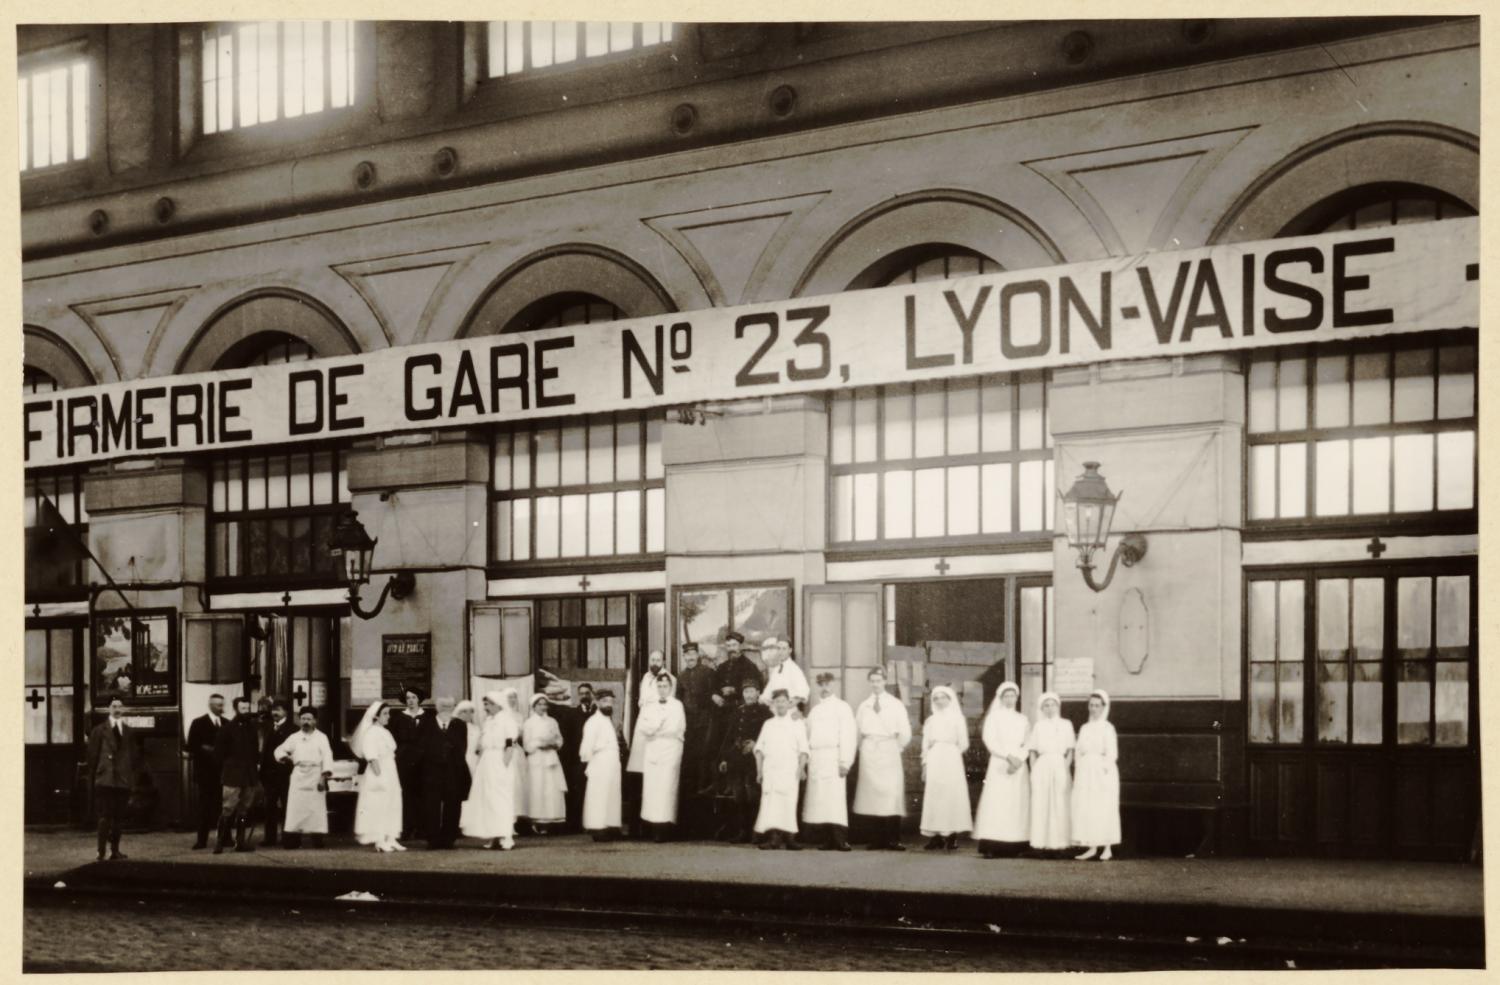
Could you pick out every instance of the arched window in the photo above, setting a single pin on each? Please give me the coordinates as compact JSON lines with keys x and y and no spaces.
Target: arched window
{"x":964,"y":459}
{"x":35,"y":380}
{"x":563,"y":310}
{"x":266,"y":349}
{"x":64,"y":488}
{"x":1378,"y":205}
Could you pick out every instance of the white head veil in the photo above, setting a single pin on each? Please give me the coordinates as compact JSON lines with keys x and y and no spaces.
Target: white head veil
{"x":952,"y":710}
{"x":997,"y":705}
{"x":363,"y":728}
{"x":1103,"y":696}
{"x":1049,"y":696}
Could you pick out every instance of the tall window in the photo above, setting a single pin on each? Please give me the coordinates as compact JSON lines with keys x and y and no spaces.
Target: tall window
{"x":264,"y":71}
{"x":1036,"y":630}
{"x":590,"y":487}
{"x":271,"y":514}
{"x":583,"y":633}
{"x":52,"y":104}
{"x":522,"y":46}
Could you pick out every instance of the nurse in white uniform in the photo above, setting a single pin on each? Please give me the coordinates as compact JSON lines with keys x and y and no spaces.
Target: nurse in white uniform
{"x":1003,"y":822}
{"x":1051,"y":749}
{"x":946,"y":812}
{"x":1096,"y":783}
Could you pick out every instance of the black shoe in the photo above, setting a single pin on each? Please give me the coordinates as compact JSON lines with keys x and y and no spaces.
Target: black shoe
{"x":101,"y":856}
{"x":117,"y":855}
{"x":200,"y":843}
{"x":790,"y":844}
{"x":895,"y":846}
{"x":952,"y":843}
{"x":317,"y":841}
{"x":766,"y":845}
{"x":934,"y":844}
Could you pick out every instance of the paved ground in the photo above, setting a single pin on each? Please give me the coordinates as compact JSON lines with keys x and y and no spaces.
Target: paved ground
{"x":166,"y":936}
{"x":1434,"y":889}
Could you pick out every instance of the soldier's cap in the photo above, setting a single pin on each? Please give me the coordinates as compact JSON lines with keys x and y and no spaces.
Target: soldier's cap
{"x":749,"y":682}
{"x":825,"y":677}
{"x":604,"y":692}
{"x":690,"y":647}
{"x":734,"y":637}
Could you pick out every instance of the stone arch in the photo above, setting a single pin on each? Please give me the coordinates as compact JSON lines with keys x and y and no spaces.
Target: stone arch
{"x":568,"y":269}
{"x":1428,"y":155}
{"x":962,"y":219}
{"x":238,"y":323}
{"x":47,"y":352}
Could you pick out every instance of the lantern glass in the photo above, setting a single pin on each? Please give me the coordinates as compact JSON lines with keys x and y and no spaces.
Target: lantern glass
{"x":1088,"y":511}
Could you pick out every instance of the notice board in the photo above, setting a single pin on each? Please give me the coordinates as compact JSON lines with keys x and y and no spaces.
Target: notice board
{"x":405,"y":662}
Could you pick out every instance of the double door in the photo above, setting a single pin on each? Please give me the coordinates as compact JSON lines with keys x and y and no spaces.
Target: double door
{"x":54,"y":720}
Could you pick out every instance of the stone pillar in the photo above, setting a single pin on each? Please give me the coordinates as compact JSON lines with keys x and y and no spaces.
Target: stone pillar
{"x":424,"y":497}
{"x":1165,"y":634}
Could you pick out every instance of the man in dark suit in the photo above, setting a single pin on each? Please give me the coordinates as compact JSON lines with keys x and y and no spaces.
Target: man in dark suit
{"x":440,"y":747}
{"x":111,"y":769}
{"x":695,"y":689}
{"x":275,"y":777}
{"x":202,"y":741}
{"x":239,"y":775}
{"x":570,"y":723}
{"x":406,"y":729}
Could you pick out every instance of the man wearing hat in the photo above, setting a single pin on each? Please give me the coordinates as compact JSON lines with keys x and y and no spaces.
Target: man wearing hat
{"x":784,"y":675}
{"x":737,"y":758}
{"x":736,"y":668}
{"x":833,"y":739}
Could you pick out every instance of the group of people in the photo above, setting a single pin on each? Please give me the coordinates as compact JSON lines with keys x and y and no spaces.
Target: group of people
{"x":721,"y":750}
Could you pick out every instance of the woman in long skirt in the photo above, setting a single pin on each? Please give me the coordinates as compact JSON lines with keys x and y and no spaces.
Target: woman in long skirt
{"x":489,"y":812}
{"x":377,"y":810}
{"x":1096,"y":783}
{"x":512,"y":707}
{"x":1003,"y":822}
{"x":945,"y":793}
{"x":545,"y":784}
{"x":1051,"y":748}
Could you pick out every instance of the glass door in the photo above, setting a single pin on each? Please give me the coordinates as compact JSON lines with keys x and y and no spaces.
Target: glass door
{"x":53,"y":721}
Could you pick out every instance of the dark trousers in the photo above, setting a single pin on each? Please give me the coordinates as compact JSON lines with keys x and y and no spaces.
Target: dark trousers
{"x":885,"y":830}
{"x":573,"y":799}
{"x":210,"y":802}
{"x":109,"y":806}
{"x":275,"y":793}
{"x":440,"y":807}
{"x":630,"y":808}
{"x":746,"y":794}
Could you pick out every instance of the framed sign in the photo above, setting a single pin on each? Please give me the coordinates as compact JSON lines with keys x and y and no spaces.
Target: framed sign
{"x":405,"y":662}
{"x":706,"y":614}
{"x":135,"y":658}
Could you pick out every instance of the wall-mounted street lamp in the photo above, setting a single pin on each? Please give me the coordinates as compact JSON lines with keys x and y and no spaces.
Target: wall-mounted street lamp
{"x":351,"y":546}
{"x":1088,"y":511}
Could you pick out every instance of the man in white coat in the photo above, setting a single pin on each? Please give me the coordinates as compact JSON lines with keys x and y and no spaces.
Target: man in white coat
{"x":832,"y":739}
{"x":661,"y":728}
{"x":599,"y":751}
{"x":656,"y":667}
{"x":783,"y":674}
{"x":307,"y":797}
{"x":880,"y":793}
{"x":780,"y":765}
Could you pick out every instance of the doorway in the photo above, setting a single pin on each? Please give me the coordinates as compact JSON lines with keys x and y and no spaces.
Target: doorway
{"x":54,"y":721}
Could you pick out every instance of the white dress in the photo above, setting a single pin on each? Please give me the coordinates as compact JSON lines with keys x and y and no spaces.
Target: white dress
{"x":306,"y":805}
{"x":599,"y":750}
{"x":520,"y":778}
{"x":377,"y":811}
{"x":881,"y":788}
{"x":782,"y":743}
{"x":661,"y":728}
{"x":471,"y":751}
{"x":832,"y":739}
{"x":945,"y":790}
{"x":490,"y":810}
{"x":1050,"y":783}
{"x":1096,"y":786}
{"x":1005,"y":805}
{"x":545,"y":783}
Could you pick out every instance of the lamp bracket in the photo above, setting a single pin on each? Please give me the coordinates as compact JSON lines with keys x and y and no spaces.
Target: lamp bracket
{"x":399,"y":586}
{"x":1130,"y":550}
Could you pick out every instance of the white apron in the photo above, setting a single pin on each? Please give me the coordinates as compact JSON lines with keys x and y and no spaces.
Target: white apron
{"x":1005,"y":805}
{"x":1050,"y":783}
{"x":782,"y":743}
{"x":945,"y":789}
{"x":881,"y":788}
{"x":377,"y":811}
{"x":545,"y":783}
{"x":832,"y":739}
{"x":1096,"y":786}
{"x":600,"y":750}
{"x":661,"y":727}
{"x":490,"y":810}
{"x":306,"y":805}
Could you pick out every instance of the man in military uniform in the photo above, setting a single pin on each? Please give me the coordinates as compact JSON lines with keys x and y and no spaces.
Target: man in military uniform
{"x":737,"y":759}
{"x":736,"y":668}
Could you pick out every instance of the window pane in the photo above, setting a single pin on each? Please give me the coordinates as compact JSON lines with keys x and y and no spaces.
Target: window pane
{"x":276,"y":483}
{"x":898,"y":422}
{"x":1452,"y":617}
{"x":1456,"y":365}
{"x":292,"y":80}
{"x":1032,"y":625}
{"x":1331,"y":401}
{"x":628,"y":449}
{"x":995,"y":415}
{"x":340,"y":63}
{"x":593,"y":611}
{"x":1413,"y":472}
{"x":963,"y":417}
{"x":866,"y":408}
{"x":929,"y":502}
{"x":1032,"y":427}
{"x":1261,"y":386}
{"x":1031,"y":488}
{"x":515,"y":640}
{"x":501,"y":462}
{"x":300,"y":481}
{"x":1291,"y":396}
{"x":1413,"y":703}
{"x":862,"y":646}
{"x":1372,"y":475}
{"x":80,"y":109}
{"x":574,"y":460}
{"x":1289,"y":620}
{"x":1262,"y":482}
{"x":963,"y":500}
{"x":655,"y":521}
{"x":601,"y":523}
{"x":248,"y":45}
{"x":1333,"y":619}
{"x":1414,"y":617}
{"x":1455,"y":453}
{"x":574,"y":521}
{"x":1333,"y":702}
{"x":546,"y":458}
{"x":255,"y":486}
{"x":596,"y":38}
{"x":1333,"y":478}
{"x":60,"y":704}
{"x":322,"y":478}
{"x":1369,"y":618}
{"x":565,"y":42}
{"x":614,"y":653}
{"x":841,"y":429}
{"x":521,"y":524}
{"x":628,"y":521}
{"x":824,"y":647}
{"x":1372,"y":388}
{"x":267,"y":71}
{"x":541,"y":43}
{"x":601,"y":452}
{"x":929,"y":419}
{"x":1451,"y":699}
{"x":898,"y":503}
{"x":1369,"y":723}
{"x":1262,"y":620}
{"x":653,"y":447}
{"x":41,"y":121}
{"x":1292,"y":460}
{"x":59,"y":127}
{"x":1415,"y":393}
{"x":995,"y":497}
{"x":546,"y":527}
{"x":503,"y":540}
{"x":841,"y":508}
{"x":484,"y":642}
{"x":1289,"y":721}
{"x":550,"y":613}
{"x":866,"y":515}
{"x":36,"y":657}
{"x":1262,"y":702}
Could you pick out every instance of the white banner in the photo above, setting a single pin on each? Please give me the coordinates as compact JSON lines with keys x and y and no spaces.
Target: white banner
{"x":1303,"y":290}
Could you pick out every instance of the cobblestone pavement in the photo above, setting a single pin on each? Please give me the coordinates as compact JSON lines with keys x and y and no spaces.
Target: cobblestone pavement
{"x":89,"y":936}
